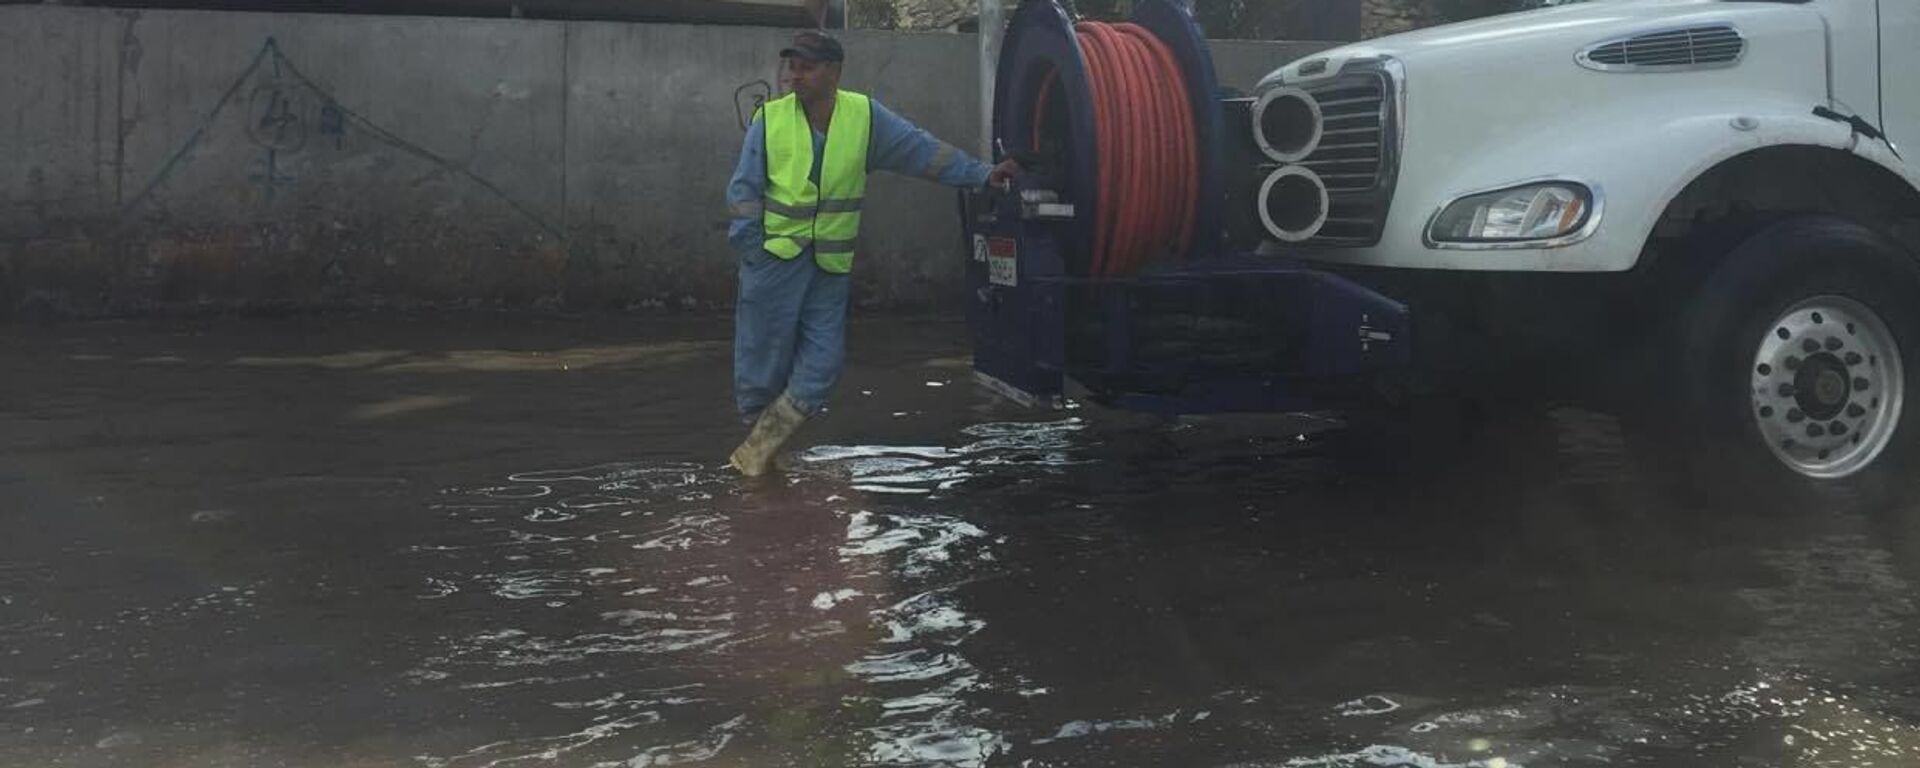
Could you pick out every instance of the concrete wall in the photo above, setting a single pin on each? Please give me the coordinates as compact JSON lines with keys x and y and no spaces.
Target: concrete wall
{"x":162,"y":159}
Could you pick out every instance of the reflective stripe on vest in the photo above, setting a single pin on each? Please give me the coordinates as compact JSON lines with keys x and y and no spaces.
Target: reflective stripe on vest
{"x":798,"y":211}
{"x":835,"y":247}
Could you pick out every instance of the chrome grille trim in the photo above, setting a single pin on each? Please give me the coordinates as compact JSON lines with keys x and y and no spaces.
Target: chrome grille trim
{"x":1359,"y":150}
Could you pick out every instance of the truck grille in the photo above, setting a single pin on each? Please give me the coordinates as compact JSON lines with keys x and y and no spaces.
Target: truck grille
{"x":1356,"y":156}
{"x":1694,"y":47}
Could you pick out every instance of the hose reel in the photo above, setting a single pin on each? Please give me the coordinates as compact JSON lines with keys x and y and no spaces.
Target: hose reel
{"x":1125,"y":123}
{"x":1126,"y":261}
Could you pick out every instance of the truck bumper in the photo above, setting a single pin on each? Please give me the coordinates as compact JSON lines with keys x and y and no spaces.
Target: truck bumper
{"x":1238,"y":333}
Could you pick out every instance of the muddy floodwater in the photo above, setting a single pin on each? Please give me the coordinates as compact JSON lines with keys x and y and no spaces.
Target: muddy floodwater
{"x":503,"y":542}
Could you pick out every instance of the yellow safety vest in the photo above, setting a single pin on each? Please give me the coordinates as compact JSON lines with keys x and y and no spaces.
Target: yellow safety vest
{"x":799,"y":213}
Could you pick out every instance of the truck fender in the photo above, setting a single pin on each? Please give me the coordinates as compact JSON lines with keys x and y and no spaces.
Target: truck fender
{"x":1635,"y":177}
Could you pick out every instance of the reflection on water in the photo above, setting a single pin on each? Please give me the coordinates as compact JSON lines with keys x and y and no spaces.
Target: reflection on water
{"x":821,"y":584}
{"x":951,"y":588}
{"x":663,"y":614}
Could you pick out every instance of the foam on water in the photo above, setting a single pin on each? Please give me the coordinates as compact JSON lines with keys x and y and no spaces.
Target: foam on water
{"x":1389,"y":756}
{"x":926,"y":541}
{"x":928,"y":470}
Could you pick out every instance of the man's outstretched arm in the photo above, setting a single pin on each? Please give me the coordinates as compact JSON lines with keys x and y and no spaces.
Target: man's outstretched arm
{"x":899,"y":146}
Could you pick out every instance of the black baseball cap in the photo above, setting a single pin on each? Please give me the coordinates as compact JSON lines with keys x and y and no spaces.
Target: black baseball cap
{"x":814,"y":45}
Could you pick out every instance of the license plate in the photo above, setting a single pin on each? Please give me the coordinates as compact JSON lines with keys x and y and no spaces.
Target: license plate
{"x":1002,"y":262}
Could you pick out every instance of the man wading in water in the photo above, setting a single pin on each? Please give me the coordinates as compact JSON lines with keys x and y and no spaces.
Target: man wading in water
{"x":795,"y":199}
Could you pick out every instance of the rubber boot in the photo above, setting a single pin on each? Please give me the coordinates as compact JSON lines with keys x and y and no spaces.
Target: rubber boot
{"x":777,"y":423}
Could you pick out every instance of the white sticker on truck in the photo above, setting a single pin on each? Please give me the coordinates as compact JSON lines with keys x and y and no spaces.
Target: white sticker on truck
{"x":1002,"y":262}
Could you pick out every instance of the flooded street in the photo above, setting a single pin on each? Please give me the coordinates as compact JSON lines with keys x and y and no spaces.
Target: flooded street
{"x":499,"y":542}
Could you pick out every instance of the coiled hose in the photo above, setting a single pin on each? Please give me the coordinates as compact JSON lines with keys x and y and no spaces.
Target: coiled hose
{"x":1147,"y":163}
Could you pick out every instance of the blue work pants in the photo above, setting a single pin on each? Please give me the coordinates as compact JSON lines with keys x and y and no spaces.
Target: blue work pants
{"x":789,"y":332}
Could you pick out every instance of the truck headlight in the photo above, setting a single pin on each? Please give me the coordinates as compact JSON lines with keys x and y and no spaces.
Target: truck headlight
{"x":1543,"y":213}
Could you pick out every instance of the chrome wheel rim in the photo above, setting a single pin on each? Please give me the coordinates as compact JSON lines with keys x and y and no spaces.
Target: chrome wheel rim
{"x":1828,"y":386}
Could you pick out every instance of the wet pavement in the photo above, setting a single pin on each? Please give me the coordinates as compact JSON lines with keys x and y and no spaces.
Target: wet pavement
{"x":460,"y":542}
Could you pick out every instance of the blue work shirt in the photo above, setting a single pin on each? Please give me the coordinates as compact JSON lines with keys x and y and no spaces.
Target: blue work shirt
{"x":893,"y":145}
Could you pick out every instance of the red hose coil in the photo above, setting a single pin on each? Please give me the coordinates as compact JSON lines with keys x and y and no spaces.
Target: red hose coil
{"x":1146,"y":161}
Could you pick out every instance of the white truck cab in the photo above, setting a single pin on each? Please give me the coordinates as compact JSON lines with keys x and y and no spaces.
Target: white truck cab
{"x":1712,"y":204}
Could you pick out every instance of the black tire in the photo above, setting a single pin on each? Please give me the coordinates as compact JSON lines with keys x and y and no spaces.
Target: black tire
{"x":1715,"y":415}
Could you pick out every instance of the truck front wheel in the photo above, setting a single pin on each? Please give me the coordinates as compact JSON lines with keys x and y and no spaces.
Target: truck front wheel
{"x":1794,"y":359}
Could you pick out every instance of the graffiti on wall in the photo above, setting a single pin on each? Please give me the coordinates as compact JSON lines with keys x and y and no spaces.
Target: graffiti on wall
{"x":754,"y":94}
{"x":288,"y":114}
{"x":748,"y":98}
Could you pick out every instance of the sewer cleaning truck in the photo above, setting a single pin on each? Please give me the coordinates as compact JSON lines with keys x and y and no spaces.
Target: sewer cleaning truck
{"x":1703,"y":215}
